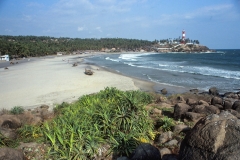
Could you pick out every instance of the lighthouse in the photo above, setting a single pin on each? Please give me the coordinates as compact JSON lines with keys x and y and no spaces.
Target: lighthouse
{"x":183,"y":36}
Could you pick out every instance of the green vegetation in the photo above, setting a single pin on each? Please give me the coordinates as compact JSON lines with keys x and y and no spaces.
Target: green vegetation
{"x":82,"y":129}
{"x":24,"y":46}
{"x":17,"y":110}
{"x":166,"y":123}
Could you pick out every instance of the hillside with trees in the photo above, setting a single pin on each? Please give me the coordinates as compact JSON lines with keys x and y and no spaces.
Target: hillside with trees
{"x":34,"y":46}
{"x":24,"y":46}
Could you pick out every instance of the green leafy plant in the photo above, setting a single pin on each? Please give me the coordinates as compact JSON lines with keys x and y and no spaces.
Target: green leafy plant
{"x":166,"y":123}
{"x":111,"y":116}
{"x":17,"y":110}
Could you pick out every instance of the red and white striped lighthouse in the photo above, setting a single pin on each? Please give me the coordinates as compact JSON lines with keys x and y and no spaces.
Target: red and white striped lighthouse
{"x":183,"y":36}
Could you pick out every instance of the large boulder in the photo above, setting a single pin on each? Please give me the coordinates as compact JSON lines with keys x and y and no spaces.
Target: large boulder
{"x":10,"y":121}
{"x":202,"y":102}
{"x":233,"y":112}
{"x":227,"y":104}
{"x":214,"y":137}
{"x":193,"y":116}
{"x":180,"y":109}
{"x":231,"y":95}
{"x":191,"y":102}
{"x":146,"y":151}
{"x":181,"y":128}
{"x":164,"y":137}
{"x":216,"y":100}
{"x":213,"y":91}
{"x":11,"y":154}
{"x":164,"y":91}
{"x":236,"y":106}
{"x":206,"y":109}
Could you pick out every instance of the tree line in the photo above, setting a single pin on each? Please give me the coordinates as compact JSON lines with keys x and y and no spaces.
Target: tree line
{"x":25,"y":46}
{"x":33,"y":46}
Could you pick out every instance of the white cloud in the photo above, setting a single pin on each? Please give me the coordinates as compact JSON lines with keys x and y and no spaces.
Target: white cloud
{"x":217,"y":11}
{"x":34,"y":4}
{"x":80,"y":28}
{"x":27,"y":18}
{"x":8,"y":30}
{"x":99,"y":29}
{"x":209,"y":11}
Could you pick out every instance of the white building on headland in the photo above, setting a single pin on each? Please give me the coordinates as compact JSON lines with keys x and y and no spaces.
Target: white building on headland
{"x":4,"y":58}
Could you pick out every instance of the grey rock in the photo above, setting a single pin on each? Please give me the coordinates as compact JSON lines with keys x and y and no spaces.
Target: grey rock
{"x":171,"y":143}
{"x":227,"y":104}
{"x":213,"y":91}
{"x":123,"y":158}
{"x":191,"y":102}
{"x":202,"y":102}
{"x":216,"y":100}
{"x":165,"y":151}
{"x":180,"y":99}
{"x":164,"y":137}
{"x":11,"y":154}
{"x":236,"y":106}
{"x":146,"y":151}
{"x":181,"y":128}
{"x":194,"y":90}
{"x":164,"y":91}
{"x":193,"y":116}
{"x":214,"y":137}
{"x":180,"y":109}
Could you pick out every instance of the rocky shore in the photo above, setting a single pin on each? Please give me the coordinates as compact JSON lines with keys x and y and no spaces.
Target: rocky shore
{"x":188,"y":126}
{"x":166,"y":48}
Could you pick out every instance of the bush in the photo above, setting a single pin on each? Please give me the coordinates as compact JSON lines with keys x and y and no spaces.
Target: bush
{"x":17,"y":110}
{"x":111,"y":116}
{"x":166,"y":123}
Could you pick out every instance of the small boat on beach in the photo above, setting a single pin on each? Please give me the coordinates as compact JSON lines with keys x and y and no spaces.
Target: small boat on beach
{"x":88,"y":72}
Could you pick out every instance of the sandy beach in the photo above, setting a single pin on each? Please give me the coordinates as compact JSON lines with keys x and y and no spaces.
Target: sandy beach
{"x":53,"y":80}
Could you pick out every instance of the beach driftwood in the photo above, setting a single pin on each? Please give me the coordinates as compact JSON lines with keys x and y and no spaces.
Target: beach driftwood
{"x":88,"y":72}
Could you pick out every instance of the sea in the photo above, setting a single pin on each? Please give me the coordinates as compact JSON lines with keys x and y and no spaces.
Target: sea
{"x":220,"y":69}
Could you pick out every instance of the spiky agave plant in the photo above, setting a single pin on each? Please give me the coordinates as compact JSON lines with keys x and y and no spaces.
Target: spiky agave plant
{"x":111,"y":116}
{"x":166,"y":123}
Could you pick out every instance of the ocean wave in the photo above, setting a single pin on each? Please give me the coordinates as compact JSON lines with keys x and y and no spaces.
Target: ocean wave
{"x":206,"y":71}
{"x":115,"y":60}
{"x":134,"y":56}
{"x":157,"y":81}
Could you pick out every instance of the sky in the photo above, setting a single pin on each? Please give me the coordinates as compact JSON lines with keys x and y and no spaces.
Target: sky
{"x":215,"y":23}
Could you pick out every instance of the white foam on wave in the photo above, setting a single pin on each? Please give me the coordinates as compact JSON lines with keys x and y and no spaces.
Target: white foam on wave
{"x":156,"y":81}
{"x":134,"y":56}
{"x":130,"y":64}
{"x":207,"y":71}
{"x":115,"y":60}
{"x":163,"y":65}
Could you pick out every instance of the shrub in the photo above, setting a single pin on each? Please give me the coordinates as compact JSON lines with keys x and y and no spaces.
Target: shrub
{"x":110,"y":116}
{"x":17,"y":110}
{"x":166,"y":123}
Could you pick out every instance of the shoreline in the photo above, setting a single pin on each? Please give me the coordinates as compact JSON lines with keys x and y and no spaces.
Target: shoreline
{"x":53,"y":80}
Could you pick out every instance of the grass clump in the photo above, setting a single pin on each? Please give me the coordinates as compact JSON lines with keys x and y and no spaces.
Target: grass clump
{"x":111,"y":117}
{"x":17,"y":110}
{"x":166,"y":123}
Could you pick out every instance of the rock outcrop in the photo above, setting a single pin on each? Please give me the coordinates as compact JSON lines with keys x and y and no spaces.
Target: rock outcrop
{"x":214,"y":137}
{"x":11,"y":154}
{"x":146,"y":151}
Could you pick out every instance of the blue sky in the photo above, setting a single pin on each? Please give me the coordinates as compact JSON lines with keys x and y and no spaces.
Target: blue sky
{"x":215,"y":23}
